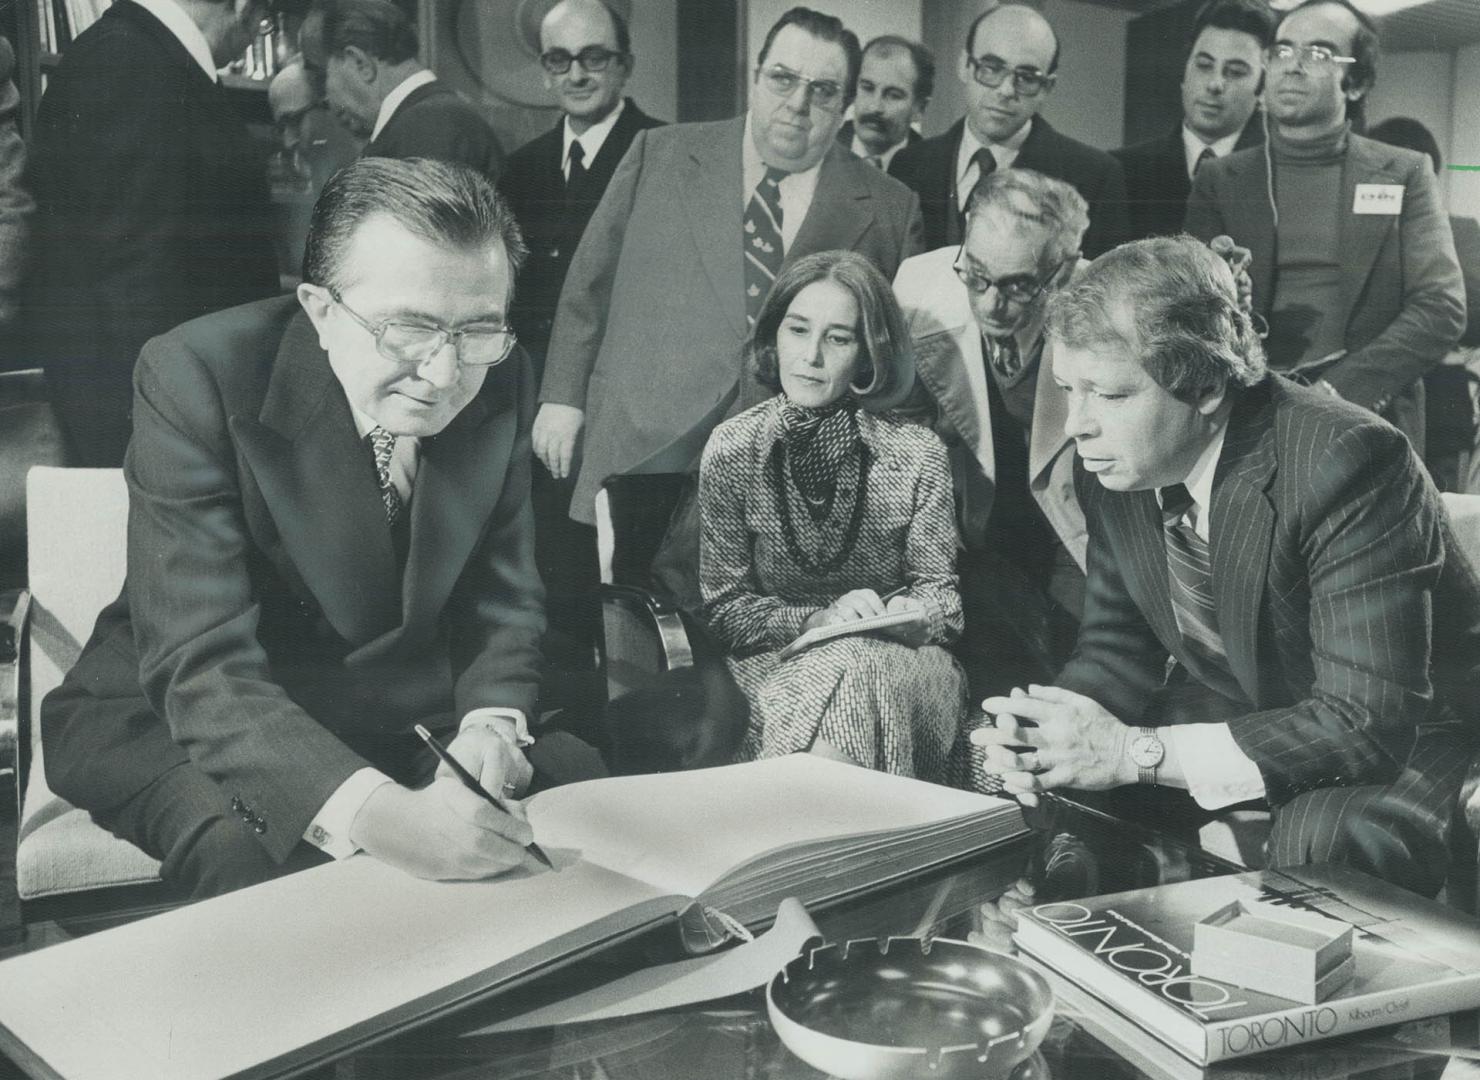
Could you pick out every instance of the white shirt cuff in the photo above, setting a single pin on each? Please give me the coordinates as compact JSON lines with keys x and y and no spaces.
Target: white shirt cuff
{"x":329,"y":829}
{"x":509,"y":723}
{"x":1218,"y":773}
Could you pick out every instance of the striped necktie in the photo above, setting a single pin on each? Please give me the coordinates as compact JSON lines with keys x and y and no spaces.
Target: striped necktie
{"x":763,"y":249}
{"x":383,"y":443}
{"x":1190,"y":575}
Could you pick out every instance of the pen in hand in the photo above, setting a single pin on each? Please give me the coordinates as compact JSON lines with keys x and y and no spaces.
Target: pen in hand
{"x":476,"y":788}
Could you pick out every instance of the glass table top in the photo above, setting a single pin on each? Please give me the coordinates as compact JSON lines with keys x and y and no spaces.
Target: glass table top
{"x":1071,"y":851}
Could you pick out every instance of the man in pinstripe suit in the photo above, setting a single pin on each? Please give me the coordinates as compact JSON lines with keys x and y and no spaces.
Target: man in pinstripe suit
{"x":1299,"y":633}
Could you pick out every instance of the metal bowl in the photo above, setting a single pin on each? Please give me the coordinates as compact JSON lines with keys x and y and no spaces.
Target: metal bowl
{"x":906,"y":1007}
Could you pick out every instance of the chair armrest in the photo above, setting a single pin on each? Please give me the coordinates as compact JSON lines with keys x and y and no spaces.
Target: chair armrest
{"x":15,"y":609}
{"x":626,"y":610}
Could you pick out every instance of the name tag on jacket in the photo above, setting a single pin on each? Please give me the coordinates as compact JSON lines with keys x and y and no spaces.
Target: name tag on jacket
{"x":1378,"y":199}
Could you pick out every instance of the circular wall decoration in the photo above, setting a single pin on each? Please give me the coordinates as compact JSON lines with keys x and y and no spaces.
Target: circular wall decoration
{"x":497,"y":42}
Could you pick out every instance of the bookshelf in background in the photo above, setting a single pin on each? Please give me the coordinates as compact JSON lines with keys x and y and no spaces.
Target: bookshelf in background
{"x":42,"y":30}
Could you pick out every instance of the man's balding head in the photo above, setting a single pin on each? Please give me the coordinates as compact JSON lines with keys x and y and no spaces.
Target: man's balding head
{"x":1015,"y":45}
{"x":573,"y":35}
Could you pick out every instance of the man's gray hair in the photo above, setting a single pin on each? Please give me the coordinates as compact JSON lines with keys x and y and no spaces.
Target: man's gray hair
{"x":1185,"y":324}
{"x":439,"y":201}
{"x":1047,"y":206}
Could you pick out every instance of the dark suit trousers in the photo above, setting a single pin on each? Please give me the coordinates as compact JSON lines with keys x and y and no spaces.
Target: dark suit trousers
{"x":1360,"y":827}
{"x":565,"y":552}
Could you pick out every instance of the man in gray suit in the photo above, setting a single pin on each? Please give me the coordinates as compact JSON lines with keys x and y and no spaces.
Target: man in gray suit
{"x":644,"y":358}
{"x":1354,"y":267}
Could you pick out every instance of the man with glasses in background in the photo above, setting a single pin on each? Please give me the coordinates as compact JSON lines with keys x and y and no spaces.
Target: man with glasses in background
{"x":329,"y":542}
{"x":1009,"y":68}
{"x":895,"y":84}
{"x":976,"y":317}
{"x":364,"y":54}
{"x":1354,"y":270}
{"x":553,"y":184}
{"x":644,"y":359}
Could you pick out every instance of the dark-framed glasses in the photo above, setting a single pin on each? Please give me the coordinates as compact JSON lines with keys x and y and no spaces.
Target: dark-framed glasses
{"x":1314,"y":55}
{"x":990,"y":70}
{"x":410,"y":344}
{"x":782,"y":81}
{"x":1020,"y":289}
{"x":591,"y":58}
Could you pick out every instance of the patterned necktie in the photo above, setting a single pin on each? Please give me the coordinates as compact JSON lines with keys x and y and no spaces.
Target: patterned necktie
{"x":383,"y":443}
{"x":577,"y":167}
{"x":763,"y":250}
{"x":1190,"y":575}
{"x":1005,"y":358}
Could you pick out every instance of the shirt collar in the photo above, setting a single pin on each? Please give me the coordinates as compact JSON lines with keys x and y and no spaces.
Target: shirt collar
{"x":753,"y":167}
{"x":1004,"y":153}
{"x":1193,"y":146}
{"x":183,"y":27}
{"x":1199,"y":482}
{"x":591,"y":139}
{"x":393,"y":100}
{"x":886,"y":157}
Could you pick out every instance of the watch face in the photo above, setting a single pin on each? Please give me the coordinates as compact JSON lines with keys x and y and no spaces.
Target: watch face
{"x":1146,"y":751}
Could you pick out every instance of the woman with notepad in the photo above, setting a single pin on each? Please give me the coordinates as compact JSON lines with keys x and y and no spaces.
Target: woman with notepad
{"x":828,"y":544}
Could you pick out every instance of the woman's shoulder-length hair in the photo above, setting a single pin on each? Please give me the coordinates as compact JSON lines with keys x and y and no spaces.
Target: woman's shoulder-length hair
{"x":886,"y":370}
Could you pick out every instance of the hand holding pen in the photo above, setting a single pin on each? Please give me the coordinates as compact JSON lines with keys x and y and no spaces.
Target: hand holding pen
{"x":468,"y":781}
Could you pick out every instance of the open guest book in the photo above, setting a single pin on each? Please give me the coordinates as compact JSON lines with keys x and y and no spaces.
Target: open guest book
{"x":292,"y":973}
{"x":818,"y":634}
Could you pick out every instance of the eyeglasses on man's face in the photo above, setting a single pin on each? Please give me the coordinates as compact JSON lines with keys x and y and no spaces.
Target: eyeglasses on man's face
{"x":1314,"y":55}
{"x":1020,"y":288}
{"x":990,"y":71}
{"x":782,"y":81}
{"x":479,"y":345}
{"x":591,"y":58}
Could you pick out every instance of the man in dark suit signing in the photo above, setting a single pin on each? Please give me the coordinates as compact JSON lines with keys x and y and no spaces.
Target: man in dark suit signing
{"x":693,"y":229}
{"x":1275,"y":610}
{"x":1008,"y":67}
{"x":553,"y":185}
{"x":151,"y":204}
{"x":364,"y":53}
{"x":1221,"y":83}
{"x":329,"y":541}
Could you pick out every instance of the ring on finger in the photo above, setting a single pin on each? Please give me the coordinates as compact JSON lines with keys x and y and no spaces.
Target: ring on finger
{"x":1031,"y":763}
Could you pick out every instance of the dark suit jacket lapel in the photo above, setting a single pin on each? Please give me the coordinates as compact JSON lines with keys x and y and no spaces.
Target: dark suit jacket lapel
{"x":413,"y":99}
{"x":319,"y":485}
{"x":459,"y":480}
{"x":1361,"y":234}
{"x":713,"y":203}
{"x":1242,"y":524}
{"x":841,"y":210}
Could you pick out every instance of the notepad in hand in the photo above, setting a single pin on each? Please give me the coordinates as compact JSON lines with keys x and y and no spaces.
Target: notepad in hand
{"x":818,"y":634}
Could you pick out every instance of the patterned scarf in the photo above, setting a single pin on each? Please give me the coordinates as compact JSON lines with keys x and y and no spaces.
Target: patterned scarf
{"x":818,"y":443}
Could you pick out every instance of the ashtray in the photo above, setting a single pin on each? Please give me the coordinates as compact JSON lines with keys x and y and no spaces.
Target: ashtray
{"x":904,"y":1007}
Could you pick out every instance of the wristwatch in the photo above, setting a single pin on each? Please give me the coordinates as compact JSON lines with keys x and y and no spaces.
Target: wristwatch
{"x":1146,"y":753}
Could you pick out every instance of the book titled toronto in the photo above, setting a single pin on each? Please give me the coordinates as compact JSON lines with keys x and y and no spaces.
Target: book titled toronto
{"x":1133,"y":950}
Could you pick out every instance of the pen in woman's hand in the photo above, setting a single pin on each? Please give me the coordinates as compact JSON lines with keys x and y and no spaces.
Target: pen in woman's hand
{"x":476,"y":788}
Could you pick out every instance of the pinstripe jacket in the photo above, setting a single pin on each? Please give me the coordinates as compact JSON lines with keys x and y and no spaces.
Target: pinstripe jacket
{"x":1334,"y":568}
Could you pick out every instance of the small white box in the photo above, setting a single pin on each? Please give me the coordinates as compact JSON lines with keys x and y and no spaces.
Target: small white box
{"x":1276,"y":950}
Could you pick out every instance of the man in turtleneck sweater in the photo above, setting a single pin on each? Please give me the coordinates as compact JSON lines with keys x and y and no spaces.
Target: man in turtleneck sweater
{"x":1354,"y":268}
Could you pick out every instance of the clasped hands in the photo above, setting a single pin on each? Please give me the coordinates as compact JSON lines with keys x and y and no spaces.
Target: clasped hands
{"x":865,"y":604}
{"x":1046,"y":738}
{"x":445,"y":832}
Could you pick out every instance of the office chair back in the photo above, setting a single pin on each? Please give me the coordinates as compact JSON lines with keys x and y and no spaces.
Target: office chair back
{"x":77,"y":521}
